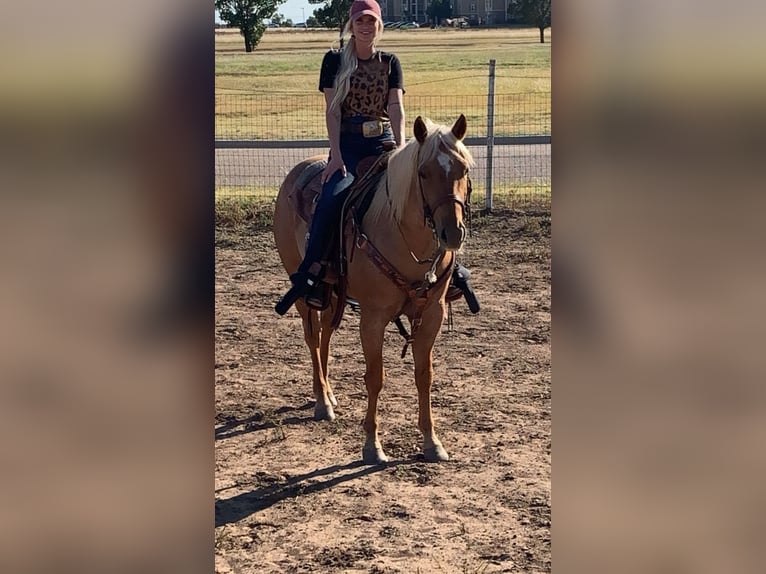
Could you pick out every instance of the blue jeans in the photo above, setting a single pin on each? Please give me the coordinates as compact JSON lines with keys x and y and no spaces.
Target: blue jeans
{"x":353,"y":148}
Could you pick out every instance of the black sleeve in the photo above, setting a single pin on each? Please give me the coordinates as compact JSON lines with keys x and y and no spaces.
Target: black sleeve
{"x":330,"y":65}
{"x":395,"y":75}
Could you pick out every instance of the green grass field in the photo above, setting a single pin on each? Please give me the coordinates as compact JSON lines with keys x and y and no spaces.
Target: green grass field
{"x":446,"y":73}
{"x":435,"y":62}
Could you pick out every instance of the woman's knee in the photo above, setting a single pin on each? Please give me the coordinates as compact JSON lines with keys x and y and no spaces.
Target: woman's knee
{"x":336,"y":185}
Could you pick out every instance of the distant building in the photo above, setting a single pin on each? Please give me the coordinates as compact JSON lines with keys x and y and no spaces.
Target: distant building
{"x":477,"y":12}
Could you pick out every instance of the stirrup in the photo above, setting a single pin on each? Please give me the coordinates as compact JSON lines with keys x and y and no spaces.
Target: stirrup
{"x":318,"y":295}
{"x":306,"y":285}
{"x":453,"y":293}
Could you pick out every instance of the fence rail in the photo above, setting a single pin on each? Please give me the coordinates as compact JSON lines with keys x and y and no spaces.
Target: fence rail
{"x":260,"y":138}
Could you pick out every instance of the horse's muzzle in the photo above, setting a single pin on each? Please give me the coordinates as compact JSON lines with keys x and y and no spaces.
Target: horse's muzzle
{"x":452,"y":237}
{"x":453,"y":234}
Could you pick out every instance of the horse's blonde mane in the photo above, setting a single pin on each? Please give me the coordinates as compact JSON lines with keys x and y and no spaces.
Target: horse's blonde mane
{"x":394,"y":189}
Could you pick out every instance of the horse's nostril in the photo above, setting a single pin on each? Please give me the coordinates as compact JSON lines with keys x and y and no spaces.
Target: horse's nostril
{"x":444,"y":235}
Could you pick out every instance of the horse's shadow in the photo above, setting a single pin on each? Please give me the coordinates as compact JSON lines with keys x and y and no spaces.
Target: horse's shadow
{"x":243,"y":505}
{"x":262,"y":421}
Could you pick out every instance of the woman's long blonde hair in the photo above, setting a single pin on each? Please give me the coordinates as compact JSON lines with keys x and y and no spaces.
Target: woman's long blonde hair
{"x":348,"y":62}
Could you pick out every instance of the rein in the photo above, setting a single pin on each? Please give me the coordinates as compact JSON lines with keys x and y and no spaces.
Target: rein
{"x":433,"y":232}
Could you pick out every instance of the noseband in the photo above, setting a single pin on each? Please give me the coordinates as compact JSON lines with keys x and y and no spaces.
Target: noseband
{"x":429,"y":212}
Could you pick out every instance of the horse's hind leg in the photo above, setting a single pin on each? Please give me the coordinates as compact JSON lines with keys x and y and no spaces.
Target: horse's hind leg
{"x":422,"y":351}
{"x":372,"y":330}
{"x":324,"y":349}
{"x":312,"y":332}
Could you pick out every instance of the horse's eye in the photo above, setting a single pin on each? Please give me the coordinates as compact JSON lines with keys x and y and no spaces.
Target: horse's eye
{"x":421,"y":174}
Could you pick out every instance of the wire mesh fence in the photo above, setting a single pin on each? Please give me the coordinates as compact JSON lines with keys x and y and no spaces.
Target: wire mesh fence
{"x":260,"y":138}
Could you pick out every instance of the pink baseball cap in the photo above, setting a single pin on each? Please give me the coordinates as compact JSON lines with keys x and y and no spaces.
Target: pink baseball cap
{"x":361,"y":7}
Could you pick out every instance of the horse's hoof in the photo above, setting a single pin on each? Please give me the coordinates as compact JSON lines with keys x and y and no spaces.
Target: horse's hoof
{"x":324,"y":412}
{"x":436,"y":454}
{"x":374,"y":456}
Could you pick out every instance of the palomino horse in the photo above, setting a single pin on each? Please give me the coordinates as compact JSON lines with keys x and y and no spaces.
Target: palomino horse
{"x":401,"y":261}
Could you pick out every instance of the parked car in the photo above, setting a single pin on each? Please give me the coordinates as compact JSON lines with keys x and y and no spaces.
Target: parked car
{"x":409,"y":26}
{"x":460,"y":22}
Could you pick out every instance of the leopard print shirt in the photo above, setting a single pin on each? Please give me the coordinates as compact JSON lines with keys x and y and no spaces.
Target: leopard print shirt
{"x":369,"y":84}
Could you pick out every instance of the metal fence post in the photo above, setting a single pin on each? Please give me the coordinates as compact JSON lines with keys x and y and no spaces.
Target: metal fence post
{"x":490,"y":133}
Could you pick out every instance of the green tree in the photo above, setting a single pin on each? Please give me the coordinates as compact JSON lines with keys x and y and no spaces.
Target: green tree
{"x":312,"y":22}
{"x":533,"y":12}
{"x":333,"y":14}
{"x":248,"y":16}
{"x":438,"y":10}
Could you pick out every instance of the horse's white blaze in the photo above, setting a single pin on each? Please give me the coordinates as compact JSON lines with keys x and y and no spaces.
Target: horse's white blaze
{"x":445,"y":161}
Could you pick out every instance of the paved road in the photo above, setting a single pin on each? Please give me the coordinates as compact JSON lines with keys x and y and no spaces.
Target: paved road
{"x":520,"y":164}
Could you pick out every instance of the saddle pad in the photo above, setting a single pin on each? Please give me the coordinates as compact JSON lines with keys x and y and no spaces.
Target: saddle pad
{"x":307,"y":187}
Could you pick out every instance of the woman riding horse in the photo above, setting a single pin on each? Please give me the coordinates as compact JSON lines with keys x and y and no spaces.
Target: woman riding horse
{"x":363,"y":89}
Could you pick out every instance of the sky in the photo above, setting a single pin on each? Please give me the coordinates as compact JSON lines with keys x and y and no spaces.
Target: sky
{"x":292,"y":9}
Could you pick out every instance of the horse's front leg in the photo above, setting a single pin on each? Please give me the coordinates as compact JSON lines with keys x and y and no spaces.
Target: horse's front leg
{"x":372,"y":329}
{"x":422,"y":351}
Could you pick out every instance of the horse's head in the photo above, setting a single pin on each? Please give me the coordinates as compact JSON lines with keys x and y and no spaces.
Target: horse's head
{"x":443,"y":164}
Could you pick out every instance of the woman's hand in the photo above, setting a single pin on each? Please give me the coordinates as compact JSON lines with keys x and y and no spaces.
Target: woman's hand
{"x":335,"y":164}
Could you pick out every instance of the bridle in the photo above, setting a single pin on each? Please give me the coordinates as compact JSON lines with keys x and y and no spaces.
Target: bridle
{"x":428,"y":214}
{"x":451,"y":199}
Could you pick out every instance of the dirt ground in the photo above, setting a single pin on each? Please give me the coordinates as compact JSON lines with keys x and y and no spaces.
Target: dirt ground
{"x":292,"y":494}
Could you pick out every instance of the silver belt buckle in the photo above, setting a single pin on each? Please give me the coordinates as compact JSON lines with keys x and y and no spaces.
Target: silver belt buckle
{"x":372,"y":129}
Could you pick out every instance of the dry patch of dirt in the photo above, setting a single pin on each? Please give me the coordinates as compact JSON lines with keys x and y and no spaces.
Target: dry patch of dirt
{"x":292,"y":494}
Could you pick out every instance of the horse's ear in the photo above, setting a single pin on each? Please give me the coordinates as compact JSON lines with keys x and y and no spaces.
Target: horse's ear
{"x":421,"y":131}
{"x":460,"y":127}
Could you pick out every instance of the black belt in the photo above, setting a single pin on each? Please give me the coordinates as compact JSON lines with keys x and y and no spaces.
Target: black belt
{"x":356,"y":128}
